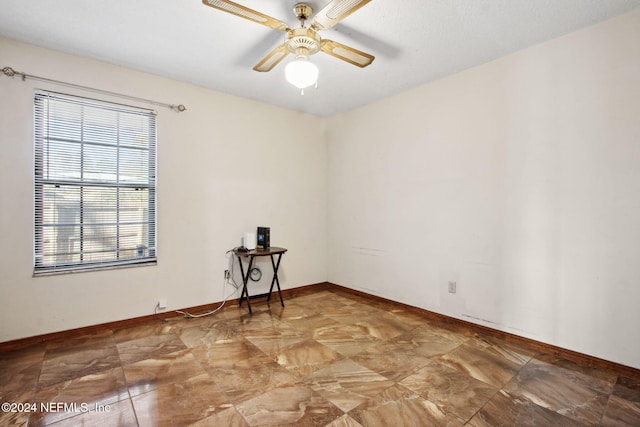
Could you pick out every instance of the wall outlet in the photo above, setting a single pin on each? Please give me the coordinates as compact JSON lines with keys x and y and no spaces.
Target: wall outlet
{"x":162,"y":303}
{"x":452,"y":286}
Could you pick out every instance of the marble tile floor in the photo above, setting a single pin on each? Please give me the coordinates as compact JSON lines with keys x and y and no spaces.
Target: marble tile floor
{"x":328,"y":358}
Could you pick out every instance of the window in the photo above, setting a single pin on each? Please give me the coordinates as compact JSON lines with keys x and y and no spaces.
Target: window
{"x":95,"y":184}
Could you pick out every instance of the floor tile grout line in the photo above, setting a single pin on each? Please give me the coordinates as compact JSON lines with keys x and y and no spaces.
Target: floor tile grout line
{"x":37,"y":381}
{"x":502,"y":389}
{"x":606,"y":407}
{"x":126,"y":384}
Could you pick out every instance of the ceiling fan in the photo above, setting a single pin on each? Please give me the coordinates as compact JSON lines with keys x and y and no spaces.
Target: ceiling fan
{"x":304,"y":41}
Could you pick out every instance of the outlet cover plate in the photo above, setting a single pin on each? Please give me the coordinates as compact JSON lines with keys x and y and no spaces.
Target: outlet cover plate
{"x":452,"y":287}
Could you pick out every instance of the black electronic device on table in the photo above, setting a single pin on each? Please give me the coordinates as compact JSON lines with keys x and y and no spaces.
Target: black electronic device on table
{"x":264,"y":237}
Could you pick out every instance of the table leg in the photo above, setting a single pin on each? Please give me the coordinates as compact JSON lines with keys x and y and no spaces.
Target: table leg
{"x":275,"y":279}
{"x":245,"y":280}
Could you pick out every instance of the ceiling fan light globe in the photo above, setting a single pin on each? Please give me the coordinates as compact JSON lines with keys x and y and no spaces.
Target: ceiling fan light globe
{"x":301,"y":73}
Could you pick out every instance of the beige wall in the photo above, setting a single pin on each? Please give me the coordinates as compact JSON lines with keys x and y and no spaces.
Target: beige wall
{"x":225,"y":166}
{"x":518,"y":179}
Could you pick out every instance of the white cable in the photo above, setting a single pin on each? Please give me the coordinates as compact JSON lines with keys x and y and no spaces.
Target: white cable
{"x":189,"y":315}
{"x":226,"y":281}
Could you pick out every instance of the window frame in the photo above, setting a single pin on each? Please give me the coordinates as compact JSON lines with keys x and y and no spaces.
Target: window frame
{"x":145,"y":253}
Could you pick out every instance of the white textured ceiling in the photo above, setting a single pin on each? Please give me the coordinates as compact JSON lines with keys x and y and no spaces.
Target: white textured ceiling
{"x":414,"y":41}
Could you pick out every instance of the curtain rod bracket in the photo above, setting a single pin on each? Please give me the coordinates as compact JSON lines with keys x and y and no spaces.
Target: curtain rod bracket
{"x":10,"y":72}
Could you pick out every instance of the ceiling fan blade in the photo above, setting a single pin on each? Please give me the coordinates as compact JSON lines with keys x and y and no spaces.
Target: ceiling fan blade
{"x":246,"y":13}
{"x":346,"y":53}
{"x":272,"y":59}
{"x":335,"y":12}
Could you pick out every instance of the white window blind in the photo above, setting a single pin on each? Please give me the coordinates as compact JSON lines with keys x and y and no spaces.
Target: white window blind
{"x":95,"y":184}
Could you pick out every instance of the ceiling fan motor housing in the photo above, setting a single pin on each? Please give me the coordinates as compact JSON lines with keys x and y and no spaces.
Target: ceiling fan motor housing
{"x":303,"y":42}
